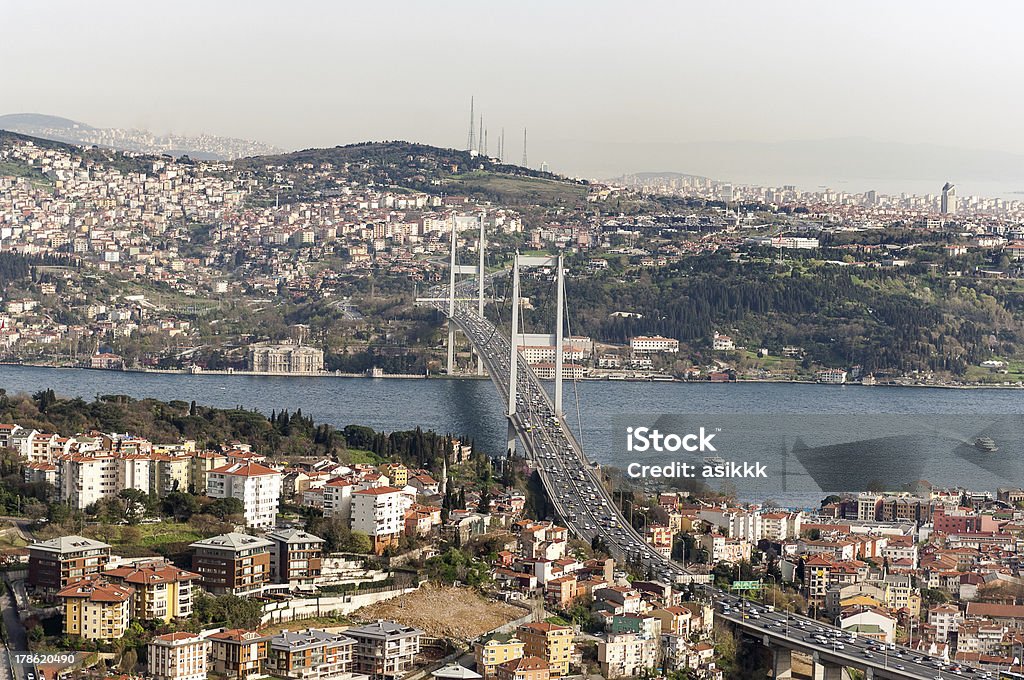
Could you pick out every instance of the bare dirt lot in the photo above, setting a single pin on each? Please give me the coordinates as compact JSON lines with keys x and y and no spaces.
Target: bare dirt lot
{"x":459,"y":613}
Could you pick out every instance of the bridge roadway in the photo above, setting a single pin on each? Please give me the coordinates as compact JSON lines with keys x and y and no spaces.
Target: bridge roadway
{"x":782,"y":630}
{"x":586,"y":507}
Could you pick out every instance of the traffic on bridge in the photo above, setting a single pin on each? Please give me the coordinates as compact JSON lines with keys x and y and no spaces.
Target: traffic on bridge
{"x":585,"y":506}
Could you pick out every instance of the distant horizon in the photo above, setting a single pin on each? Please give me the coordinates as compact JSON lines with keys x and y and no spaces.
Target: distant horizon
{"x":741,"y":91}
{"x":836,"y":181}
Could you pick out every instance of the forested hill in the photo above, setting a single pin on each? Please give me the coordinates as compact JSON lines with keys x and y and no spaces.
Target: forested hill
{"x":310,"y":174}
{"x":282,"y":433}
{"x":397,"y":156}
{"x":882,"y":319}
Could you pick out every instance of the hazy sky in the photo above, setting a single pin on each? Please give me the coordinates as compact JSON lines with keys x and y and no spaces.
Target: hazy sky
{"x":615,"y":75}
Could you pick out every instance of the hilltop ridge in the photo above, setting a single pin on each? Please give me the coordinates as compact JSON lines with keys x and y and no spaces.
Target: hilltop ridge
{"x":203,"y":146}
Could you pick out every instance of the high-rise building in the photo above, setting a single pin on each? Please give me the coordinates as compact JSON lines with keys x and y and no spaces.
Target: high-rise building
{"x":550,"y":642}
{"x":311,"y":655}
{"x":178,"y":656}
{"x":295,"y":557}
{"x":257,"y":486}
{"x":162,"y":590}
{"x":380,"y":514}
{"x":495,"y":650}
{"x":385,"y":650}
{"x":948,"y":199}
{"x":238,"y":654}
{"x":55,"y":563}
{"x":87,"y":478}
{"x":235,"y":564}
{"x":96,"y":609}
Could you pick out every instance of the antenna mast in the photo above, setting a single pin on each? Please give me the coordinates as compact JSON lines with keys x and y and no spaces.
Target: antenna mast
{"x":524,"y":149}
{"x":470,"y":142}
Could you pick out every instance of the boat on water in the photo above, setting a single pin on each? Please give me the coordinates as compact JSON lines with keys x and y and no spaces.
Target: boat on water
{"x":986,"y":444}
{"x":714,"y":460}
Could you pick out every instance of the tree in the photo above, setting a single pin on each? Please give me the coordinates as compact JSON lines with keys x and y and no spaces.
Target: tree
{"x":231,"y":610}
{"x":135,"y":503}
{"x":223,"y":508}
{"x":360,"y":543}
{"x":180,"y":505}
{"x":128,"y":661}
{"x":131,"y":535}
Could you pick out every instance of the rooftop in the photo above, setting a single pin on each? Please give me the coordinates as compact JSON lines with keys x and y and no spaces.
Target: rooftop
{"x":233,"y":540}
{"x":68,"y":544}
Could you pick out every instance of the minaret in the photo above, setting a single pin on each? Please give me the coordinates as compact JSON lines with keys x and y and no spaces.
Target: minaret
{"x":524,"y":149}
{"x":444,"y":475}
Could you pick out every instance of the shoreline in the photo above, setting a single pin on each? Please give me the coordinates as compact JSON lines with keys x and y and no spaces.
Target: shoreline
{"x":473,"y":376}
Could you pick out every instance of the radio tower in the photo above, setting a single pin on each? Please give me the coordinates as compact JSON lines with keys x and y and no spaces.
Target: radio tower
{"x":472,"y":137}
{"x":524,"y":149}
{"x":480,"y":136}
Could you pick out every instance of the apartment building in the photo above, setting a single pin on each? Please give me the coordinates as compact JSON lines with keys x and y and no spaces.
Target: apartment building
{"x":734,"y":522}
{"x":722,"y":549}
{"x":550,"y":642}
{"x":946,"y":619}
{"x":162,"y":590}
{"x":257,"y":486}
{"x":397,"y":473}
{"x":674,"y":620}
{"x":524,"y":668}
{"x":295,"y":557}
{"x":627,"y":655}
{"x":178,"y":656}
{"x":7,"y":431}
{"x":310,"y":655}
{"x":96,"y":609}
{"x":778,"y":526}
{"x":238,"y":654}
{"x":134,"y":471}
{"x":380,"y":514}
{"x":42,"y":473}
{"x":494,"y":650}
{"x":87,"y":478}
{"x":169,"y":472}
{"x":235,"y":564}
{"x":385,"y":650}
{"x":200,"y":464}
{"x":55,"y":563}
{"x":337,"y":499}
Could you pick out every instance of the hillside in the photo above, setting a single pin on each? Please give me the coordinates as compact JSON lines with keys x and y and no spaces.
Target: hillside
{"x":419,"y":167}
{"x":884,"y":320}
{"x":202,"y":146}
{"x":16,"y":121}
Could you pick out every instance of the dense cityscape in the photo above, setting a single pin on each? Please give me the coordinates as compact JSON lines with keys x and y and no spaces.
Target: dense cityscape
{"x":439,"y":341}
{"x":117,"y":260}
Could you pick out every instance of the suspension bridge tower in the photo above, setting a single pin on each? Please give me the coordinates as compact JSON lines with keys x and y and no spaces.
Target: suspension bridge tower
{"x":454,"y":269}
{"x":557,"y":339}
